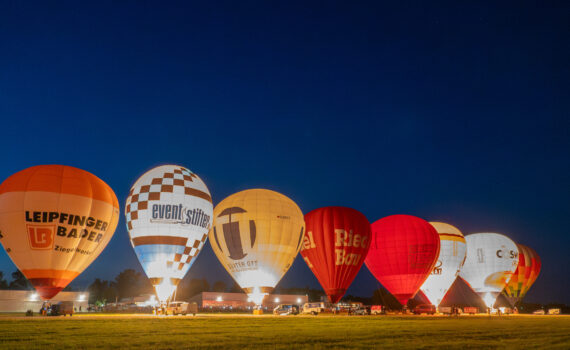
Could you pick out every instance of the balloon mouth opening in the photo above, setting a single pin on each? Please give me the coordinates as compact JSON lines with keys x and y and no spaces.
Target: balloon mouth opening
{"x":335,"y":295}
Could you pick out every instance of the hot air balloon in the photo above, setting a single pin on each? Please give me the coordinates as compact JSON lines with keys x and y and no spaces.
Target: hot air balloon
{"x":526,"y":273}
{"x":256,"y":236}
{"x":334,"y":247}
{"x":451,"y":257}
{"x":169,"y":213}
{"x":54,"y":221}
{"x":403,"y":252}
{"x":491,"y":260}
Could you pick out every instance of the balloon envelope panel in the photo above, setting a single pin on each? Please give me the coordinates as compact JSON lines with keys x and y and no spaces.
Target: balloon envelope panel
{"x":334,"y":247}
{"x":451,"y":258}
{"x":491,"y":260}
{"x":403,"y":252}
{"x":54,"y":222}
{"x":256,"y":236}
{"x":169,"y":212}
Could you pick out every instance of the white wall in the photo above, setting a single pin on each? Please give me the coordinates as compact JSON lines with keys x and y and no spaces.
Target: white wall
{"x":23,"y":300}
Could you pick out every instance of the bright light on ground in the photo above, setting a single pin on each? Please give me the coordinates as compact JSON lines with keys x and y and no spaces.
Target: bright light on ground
{"x":164,"y":290}
{"x":489,"y":300}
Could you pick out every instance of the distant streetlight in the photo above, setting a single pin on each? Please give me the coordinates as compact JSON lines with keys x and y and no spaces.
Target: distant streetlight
{"x":81,"y":297}
{"x":298,"y":300}
{"x":276,"y":300}
{"x":34,"y":297}
{"x":219,"y":298}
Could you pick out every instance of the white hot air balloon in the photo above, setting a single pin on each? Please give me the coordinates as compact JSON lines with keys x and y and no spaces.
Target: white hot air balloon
{"x":451,"y":258}
{"x":492,"y":258}
{"x":169,"y":213}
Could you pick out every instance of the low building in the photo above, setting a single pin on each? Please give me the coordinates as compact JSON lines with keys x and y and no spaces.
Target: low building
{"x":215,"y":300}
{"x":23,"y":300}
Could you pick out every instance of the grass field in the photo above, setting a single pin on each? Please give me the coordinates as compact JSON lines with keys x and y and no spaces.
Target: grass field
{"x":246,"y":332}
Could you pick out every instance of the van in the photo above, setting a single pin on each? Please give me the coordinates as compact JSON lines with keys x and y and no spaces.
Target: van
{"x":554,"y":311}
{"x":472,"y":310}
{"x":181,"y":308}
{"x":62,"y":308}
{"x":376,"y":310}
{"x":316,"y":308}
{"x":424,"y":309}
{"x":286,"y":309}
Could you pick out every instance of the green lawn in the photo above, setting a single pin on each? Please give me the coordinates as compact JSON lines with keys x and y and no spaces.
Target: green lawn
{"x":246,"y":332}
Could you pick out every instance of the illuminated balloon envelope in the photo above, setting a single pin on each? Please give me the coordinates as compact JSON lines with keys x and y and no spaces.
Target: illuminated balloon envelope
{"x":169,"y":212}
{"x":491,"y":260}
{"x":54,"y":221}
{"x":525,"y":275}
{"x":256,"y":236}
{"x":334,"y":247}
{"x":403,"y":252}
{"x":451,"y":258}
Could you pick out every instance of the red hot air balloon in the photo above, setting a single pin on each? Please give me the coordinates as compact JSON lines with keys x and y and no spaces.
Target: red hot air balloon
{"x":403,"y":252}
{"x":334,"y":247}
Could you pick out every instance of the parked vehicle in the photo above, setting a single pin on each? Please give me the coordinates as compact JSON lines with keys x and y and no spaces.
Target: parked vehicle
{"x":424,"y":309}
{"x":554,"y":311}
{"x":539,"y":312}
{"x":376,"y":310}
{"x":470,"y":310}
{"x":447,"y":310}
{"x":316,"y":308}
{"x":181,"y":308}
{"x":286,"y":309}
{"x":62,"y":308}
{"x":358,"y":311}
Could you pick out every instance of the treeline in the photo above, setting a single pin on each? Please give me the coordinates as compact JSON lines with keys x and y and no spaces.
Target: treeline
{"x":18,"y":281}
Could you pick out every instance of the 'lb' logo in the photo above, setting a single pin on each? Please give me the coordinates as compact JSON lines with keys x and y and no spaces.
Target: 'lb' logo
{"x":41,"y":236}
{"x":232,"y":233}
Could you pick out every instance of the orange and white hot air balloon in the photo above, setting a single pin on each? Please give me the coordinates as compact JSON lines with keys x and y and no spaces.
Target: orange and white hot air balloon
{"x":54,"y":221}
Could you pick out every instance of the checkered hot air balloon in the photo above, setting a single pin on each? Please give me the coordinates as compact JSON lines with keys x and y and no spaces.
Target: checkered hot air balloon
{"x":168,"y":212}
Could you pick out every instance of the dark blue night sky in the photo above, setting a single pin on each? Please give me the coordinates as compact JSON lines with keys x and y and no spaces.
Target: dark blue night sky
{"x":452,"y":112}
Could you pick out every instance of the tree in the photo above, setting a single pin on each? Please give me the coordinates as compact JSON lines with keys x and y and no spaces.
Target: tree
{"x":219,"y":287}
{"x":235,"y":288}
{"x":3,"y":282}
{"x":19,"y":281}
{"x":188,"y":289}
{"x":101,"y":292}
{"x":130,"y":283}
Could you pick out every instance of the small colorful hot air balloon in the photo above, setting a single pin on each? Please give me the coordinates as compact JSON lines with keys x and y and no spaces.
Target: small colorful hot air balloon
{"x":54,"y":221}
{"x":403,"y":252}
{"x":525,"y":275}
{"x":169,"y":213}
{"x":451,"y":258}
{"x":256,"y":236}
{"x":491,"y":260}
{"x":334,"y":247}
